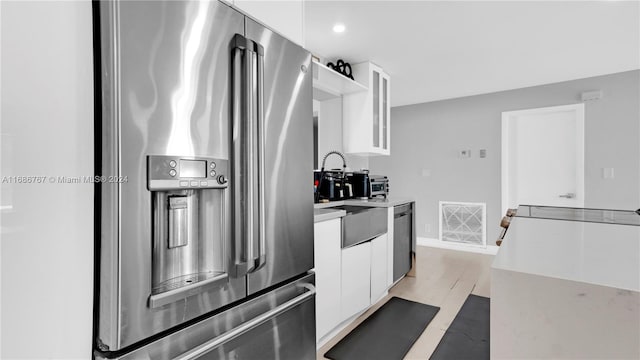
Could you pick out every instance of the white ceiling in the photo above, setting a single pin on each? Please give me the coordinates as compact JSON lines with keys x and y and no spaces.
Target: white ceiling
{"x":448,"y":49}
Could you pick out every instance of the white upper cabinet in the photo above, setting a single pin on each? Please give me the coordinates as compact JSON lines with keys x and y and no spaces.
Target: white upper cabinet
{"x":285,"y":17}
{"x":366,"y":115}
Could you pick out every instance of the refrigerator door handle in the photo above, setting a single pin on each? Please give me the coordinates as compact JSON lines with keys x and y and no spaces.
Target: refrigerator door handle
{"x":247,"y":326}
{"x":261,"y":260}
{"x":244,"y":155}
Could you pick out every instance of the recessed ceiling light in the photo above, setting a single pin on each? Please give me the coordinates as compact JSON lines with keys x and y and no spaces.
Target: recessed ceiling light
{"x":339,"y":28}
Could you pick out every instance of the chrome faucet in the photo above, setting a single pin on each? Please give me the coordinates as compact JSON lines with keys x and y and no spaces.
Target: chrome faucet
{"x":344,"y":162}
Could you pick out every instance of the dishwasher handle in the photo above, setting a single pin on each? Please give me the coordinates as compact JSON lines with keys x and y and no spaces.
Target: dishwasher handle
{"x":403,"y":209}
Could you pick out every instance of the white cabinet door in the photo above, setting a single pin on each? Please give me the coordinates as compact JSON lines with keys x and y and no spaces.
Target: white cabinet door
{"x":356,"y":279}
{"x":366,"y":115}
{"x":375,"y":108}
{"x":378,"y":267}
{"x":327,"y":267}
{"x":385,"y":113}
{"x":285,"y":17}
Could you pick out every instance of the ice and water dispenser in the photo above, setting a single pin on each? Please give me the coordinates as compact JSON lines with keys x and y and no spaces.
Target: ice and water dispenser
{"x":189,"y":197}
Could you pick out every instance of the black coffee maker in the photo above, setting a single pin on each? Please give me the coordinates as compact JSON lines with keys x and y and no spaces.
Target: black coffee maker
{"x":359,"y":181}
{"x":331,"y":185}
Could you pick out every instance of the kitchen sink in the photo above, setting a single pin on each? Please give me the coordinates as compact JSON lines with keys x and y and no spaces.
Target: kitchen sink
{"x":351,"y":209}
{"x":362,"y":223}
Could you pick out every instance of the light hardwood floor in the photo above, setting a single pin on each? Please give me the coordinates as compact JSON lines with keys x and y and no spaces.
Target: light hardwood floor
{"x":444,"y":278}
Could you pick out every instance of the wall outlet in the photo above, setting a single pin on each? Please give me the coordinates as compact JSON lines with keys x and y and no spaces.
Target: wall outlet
{"x":427,"y":228}
{"x":464,"y":154}
{"x":483,"y":153}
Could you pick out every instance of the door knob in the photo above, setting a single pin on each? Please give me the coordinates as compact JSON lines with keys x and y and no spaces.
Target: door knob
{"x":568,"y":195}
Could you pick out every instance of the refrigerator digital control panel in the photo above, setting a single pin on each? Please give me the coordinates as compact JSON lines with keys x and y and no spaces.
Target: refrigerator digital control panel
{"x":186,"y":172}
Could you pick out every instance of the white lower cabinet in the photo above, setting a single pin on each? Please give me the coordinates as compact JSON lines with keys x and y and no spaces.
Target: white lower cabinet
{"x":356,"y":279}
{"x":378,"y":267}
{"x":327,"y":254}
{"x":364,"y":275}
{"x":348,"y":280}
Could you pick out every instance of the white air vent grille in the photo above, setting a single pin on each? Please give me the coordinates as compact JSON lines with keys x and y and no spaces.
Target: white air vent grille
{"x":463,"y":223}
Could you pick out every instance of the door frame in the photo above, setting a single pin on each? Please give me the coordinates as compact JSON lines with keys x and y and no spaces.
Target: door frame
{"x":507,"y":118}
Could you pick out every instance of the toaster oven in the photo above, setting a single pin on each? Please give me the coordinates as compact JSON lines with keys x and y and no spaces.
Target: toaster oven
{"x":379,"y":186}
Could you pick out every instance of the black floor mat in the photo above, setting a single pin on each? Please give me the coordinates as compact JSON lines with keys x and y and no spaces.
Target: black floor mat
{"x":468,"y":335}
{"x":387,"y":334}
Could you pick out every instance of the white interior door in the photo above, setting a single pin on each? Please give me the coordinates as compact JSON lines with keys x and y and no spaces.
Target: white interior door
{"x":543,"y":157}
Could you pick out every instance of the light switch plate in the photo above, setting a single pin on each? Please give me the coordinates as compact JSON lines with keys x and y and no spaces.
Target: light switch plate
{"x":608,"y":173}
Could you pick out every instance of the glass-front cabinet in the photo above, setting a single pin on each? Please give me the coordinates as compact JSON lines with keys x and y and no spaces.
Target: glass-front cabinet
{"x":366,"y":115}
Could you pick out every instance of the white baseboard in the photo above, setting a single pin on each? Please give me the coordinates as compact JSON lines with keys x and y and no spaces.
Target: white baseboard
{"x":422,"y":241}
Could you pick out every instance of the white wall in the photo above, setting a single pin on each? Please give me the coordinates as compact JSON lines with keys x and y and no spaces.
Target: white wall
{"x":46,"y":249}
{"x":330,"y":136}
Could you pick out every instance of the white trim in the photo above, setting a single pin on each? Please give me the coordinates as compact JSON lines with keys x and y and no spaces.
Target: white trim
{"x":580,"y":120}
{"x":504,"y":164}
{"x":429,"y":242}
{"x":304,"y":33}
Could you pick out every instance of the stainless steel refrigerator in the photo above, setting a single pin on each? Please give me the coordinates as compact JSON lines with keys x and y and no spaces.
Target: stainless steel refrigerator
{"x":205,"y":230}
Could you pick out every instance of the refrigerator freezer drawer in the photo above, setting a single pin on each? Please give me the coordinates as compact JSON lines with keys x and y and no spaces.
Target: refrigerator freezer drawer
{"x":277,"y":325}
{"x":256,"y":339}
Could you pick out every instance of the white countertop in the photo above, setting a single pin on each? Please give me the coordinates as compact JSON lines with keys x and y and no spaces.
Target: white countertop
{"x":594,"y":253}
{"x":327,"y":214}
{"x":389,"y":202}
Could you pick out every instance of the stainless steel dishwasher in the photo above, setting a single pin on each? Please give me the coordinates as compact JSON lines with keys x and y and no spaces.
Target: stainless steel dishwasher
{"x":404,"y":240}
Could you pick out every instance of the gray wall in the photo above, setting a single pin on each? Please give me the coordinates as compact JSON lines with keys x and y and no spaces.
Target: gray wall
{"x":426,"y":138}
